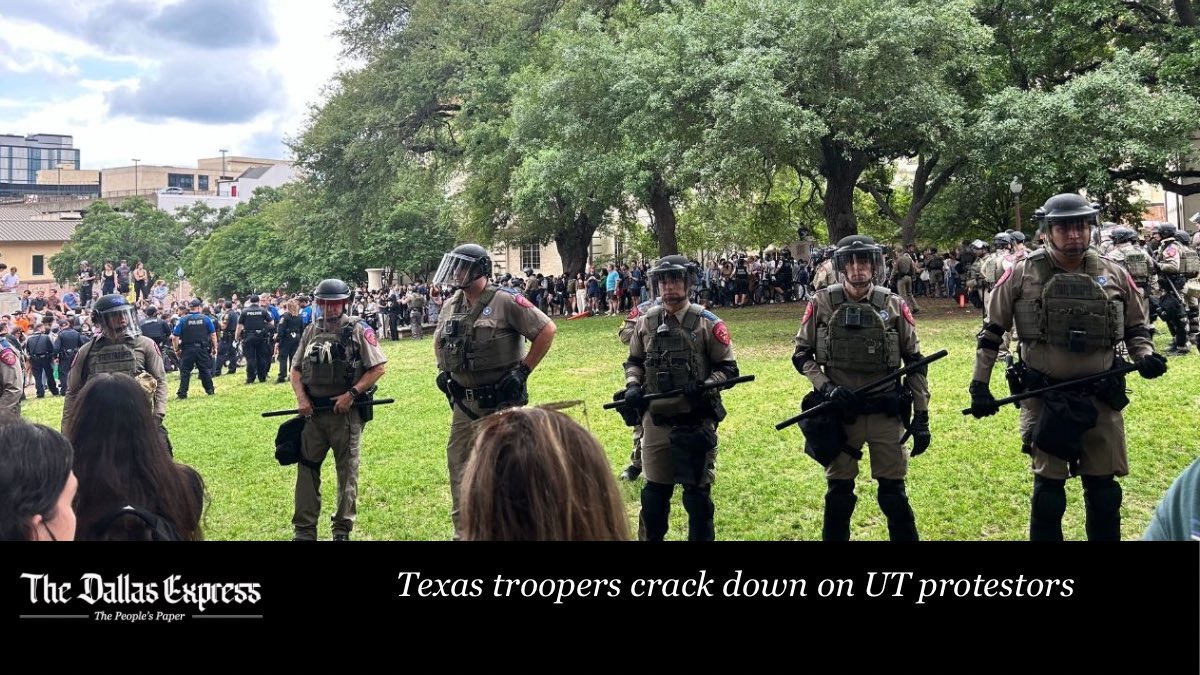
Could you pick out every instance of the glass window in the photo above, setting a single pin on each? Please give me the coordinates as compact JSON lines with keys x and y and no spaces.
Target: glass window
{"x":531,"y":256}
{"x":180,"y":180}
{"x":39,"y":265}
{"x":203,"y":183}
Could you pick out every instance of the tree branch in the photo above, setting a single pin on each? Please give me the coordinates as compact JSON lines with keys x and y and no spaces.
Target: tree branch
{"x":884,"y":205}
{"x":1167,"y":179}
{"x":1151,"y":14}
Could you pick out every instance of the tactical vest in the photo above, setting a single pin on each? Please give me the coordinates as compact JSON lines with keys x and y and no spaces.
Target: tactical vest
{"x":331,"y":360}
{"x":671,"y":360}
{"x":112,"y":357}
{"x":1189,"y":261}
{"x":194,"y":330}
{"x":231,"y":322}
{"x":417,"y":302}
{"x":154,"y":329}
{"x":40,"y":344}
{"x":1072,"y":312}
{"x":857,"y":338}
{"x":255,"y":320}
{"x":1136,"y":262}
{"x":740,"y":270}
{"x":462,"y":344}
{"x":992,"y":268}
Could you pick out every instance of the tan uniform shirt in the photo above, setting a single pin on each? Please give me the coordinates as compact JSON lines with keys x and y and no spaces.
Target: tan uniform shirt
{"x":1056,"y":362}
{"x":898,"y":318}
{"x":147,"y":359}
{"x":364,"y":338}
{"x":11,"y":378}
{"x":710,"y":338}
{"x":505,"y":315}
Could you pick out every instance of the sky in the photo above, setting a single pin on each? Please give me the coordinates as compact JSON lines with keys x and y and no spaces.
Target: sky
{"x":165,"y":81}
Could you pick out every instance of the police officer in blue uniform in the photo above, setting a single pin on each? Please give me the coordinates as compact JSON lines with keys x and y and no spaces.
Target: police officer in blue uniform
{"x":41,"y":349}
{"x":254,"y":330}
{"x":69,"y":342}
{"x":195,"y":338}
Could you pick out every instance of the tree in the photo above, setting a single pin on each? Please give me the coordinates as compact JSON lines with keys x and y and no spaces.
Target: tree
{"x":134,"y":231}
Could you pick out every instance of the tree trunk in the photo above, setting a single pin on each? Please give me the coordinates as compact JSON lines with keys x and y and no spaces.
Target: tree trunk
{"x":574,"y":243}
{"x":664,"y":217}
{"x":841,"y":176}
{"x":1186,"y":17}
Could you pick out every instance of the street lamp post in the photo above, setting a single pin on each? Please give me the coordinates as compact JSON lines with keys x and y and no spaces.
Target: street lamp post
{"x":135,"y":176}
{"x":1015,"y":187}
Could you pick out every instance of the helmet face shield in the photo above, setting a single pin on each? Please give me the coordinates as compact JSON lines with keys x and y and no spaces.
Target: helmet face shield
{"x":859,"y":267}
{"x":120,"y":322}
{"x":456,"y":271}
{"x":327,"y":313}
{"x":673,"y":286}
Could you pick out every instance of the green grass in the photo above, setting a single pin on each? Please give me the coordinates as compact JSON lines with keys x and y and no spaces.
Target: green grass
{"x":973,"y":483}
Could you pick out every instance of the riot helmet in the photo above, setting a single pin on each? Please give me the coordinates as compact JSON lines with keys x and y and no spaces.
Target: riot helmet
{"x":1002,"y":240}
{"x":1017,"y":237}
{"x":116,"y":317}
{"x":1071,"y":211}
{"x":1121,"y":235}
{"x":858,"y":248}
{"x":672,"y":268}
{"x":332,"y":296}
{"x":1164,"y":231}
{"x":462,"y":266}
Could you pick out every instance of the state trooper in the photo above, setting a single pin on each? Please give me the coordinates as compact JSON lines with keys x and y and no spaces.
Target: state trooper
{"x":338,"y":365}
{"x":254,"y":330}
{"x":1135,"y":260}
{"x":851,"y":333}
{"x":69,"y":344}
{"x":1176,"y":264}
{"x":1072,"y":307}
{"x":12,"y":375}
{"x":416,"y":313}
{"x":119,"y":347}
{"x":634,"y":470}
{"x":904,"y":272}
{"x":678,"y":346}
{"x":195,"y":340}
{"x":479,"y":342}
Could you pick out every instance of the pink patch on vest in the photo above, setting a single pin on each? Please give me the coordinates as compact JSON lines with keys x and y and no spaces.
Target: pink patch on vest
{"x":523,"y":301}
{"x":721,"y":332}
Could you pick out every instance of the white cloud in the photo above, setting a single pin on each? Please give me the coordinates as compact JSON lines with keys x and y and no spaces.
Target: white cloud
{"x":305,"y":57}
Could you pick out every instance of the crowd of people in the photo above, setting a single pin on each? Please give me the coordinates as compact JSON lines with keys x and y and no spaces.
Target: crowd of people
{"x":1077,"y":303}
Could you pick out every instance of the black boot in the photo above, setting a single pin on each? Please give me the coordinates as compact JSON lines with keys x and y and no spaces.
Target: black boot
{"x":1047,"y":506}
{"x":656,"y":511}
{"x":1102,"y":507}
{"x":893,"y":501}
{"x":839,"y":506}
{"x":698,"y":503}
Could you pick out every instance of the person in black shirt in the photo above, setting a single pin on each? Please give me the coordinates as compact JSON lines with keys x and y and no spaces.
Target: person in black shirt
{"x":291,"y":327}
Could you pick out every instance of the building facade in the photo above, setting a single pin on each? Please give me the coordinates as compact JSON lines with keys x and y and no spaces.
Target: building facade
{"x":21,"y":157}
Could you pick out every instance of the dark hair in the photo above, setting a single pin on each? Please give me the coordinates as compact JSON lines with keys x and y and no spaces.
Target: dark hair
{"x":35,"y":464}
{"x":536,"y":475}
{"x":122,"y":460}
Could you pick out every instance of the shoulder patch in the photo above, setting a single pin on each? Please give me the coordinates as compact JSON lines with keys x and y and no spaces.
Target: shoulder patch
{"x":907,"y":313}
{"x":369,"y":334}
{"x":523,"y":301}
{"x":808,"y":312}
{"x":721,"y":333}
{"x":1171,"y":251}
{"x":9,"y":357}
{"x":634,"y":313}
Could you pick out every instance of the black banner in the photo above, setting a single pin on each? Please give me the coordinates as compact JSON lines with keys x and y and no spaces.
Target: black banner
{"x":854,"y":594}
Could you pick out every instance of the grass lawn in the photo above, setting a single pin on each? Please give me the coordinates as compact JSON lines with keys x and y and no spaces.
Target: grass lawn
{"x":972,"y":484}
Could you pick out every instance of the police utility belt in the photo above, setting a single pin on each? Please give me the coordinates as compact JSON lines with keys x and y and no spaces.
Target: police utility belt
{"x":484,"y":396}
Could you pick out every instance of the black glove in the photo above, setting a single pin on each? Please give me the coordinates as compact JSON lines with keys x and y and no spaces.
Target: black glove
{"x":443,"y":382}
{"x":634,"y":396}
{"x":511,"y":386}
{"x":919,"y":428}
{"x":842,"y":397}
{"x":1152,"y":366}
{"x":983,"y":404}
{"x":693,"y":392}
